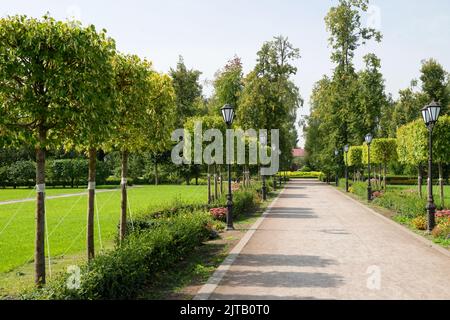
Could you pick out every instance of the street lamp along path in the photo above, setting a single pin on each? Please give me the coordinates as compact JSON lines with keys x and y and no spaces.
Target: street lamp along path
{"x":368,"y":139}
{"x":430,"y":115}
{"x":346,"y":148}
{"x":228,"y":116}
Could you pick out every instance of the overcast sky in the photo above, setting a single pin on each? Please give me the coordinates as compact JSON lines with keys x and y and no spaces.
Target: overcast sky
{"x":209,"y":32}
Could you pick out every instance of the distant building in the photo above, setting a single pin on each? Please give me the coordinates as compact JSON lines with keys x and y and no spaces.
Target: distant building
{"x":298,"y":153}
{"x":298,"y":162}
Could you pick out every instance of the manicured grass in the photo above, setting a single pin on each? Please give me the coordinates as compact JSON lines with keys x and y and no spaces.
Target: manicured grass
{"x":26,"y":193}
{"x":436,"y":191}
{"x":66,"y":220}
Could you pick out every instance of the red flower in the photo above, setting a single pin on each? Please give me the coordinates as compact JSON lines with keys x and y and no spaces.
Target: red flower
{"x":219,"y":213}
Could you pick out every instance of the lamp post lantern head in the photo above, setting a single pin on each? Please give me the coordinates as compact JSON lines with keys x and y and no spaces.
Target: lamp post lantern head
{"x":228,"y":114}
{"x":346,"y":147}
{"x":426,"y":115}
{"x":430,"y":113}
{"x":368,"y":138}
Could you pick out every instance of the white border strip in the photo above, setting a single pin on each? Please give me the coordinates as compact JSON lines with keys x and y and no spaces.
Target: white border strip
{"x":210,"y":286}
{"x":425,"y":241}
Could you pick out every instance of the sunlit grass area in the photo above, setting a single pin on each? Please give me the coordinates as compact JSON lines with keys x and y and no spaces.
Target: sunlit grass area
{"x":66,"y":219}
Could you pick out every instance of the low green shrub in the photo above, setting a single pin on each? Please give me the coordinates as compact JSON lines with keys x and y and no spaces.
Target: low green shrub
{"x":243,"y":202}
{"x":302,"y":174}
{"x":359,"y":188}
{"x":123,"y":272}
{"x":404,"y":202}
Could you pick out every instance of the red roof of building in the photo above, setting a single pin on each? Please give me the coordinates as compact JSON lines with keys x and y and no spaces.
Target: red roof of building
{"x":298,"y":152}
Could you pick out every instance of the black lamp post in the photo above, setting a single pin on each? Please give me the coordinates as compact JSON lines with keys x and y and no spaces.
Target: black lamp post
{"x":430,"y":114}
{"x":368,"y":139}
{"x":264,"y":186}
{"x":228,"y":117}
{"x":336,"y":153}
{"x":346,"y":148}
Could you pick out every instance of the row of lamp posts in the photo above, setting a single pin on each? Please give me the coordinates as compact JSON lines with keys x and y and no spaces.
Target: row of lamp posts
{"x":430,"y":115}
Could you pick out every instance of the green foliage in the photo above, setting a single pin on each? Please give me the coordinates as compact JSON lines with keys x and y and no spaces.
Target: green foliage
{"x":123,"y":272}
{"x":441,"y":137}
{"x":405,"y":203}
{"x":188,"y":91}
{"x":270,"y":98}
{"x":46,"y":90}
{"x":365,"y":155}
{"x":300,"y":174}
{"x":359,"y":188}
{"x":354,"y":156}
{"x":21,"y":173}
{"x":435,"y":83}
{"x":384,"y":150}
{"x":412,"y":141}
{"x":348,"y":104}
{"x":146,"y":106}
{"x":73,"y":172}
{"x":244,"y":202}
{"x":407,"y":107}
{"x":228,"y":85}
{"x":68,"y":171}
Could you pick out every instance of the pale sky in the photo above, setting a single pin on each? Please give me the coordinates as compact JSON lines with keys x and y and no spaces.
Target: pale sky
{"x":209,"y":32}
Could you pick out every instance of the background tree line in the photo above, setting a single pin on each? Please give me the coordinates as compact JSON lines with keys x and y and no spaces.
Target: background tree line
{"x":348,"y":104}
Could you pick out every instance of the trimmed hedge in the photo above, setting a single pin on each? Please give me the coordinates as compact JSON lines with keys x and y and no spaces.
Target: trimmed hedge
{"x":122,"y":273}
{"x":301,"y":174}
{"x":64,"y":172}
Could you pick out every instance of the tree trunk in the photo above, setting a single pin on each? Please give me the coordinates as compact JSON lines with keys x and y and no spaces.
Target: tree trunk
{"x":123,"y":185}
{"x":156,"y":173}
{"x":380,"y":170}
{"x":91,"y":203}
{"x":209,"y":186}
{"x":419,"y":180}
{"x":216,"y":189}
{"x":39,"y":254}
{"x":384,"y":176}
{"x":221,"y":181}
{"x":441,"y":184}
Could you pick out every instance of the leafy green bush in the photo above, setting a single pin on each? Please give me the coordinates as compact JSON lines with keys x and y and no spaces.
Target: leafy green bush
{"x":359,"y":188}
{"x":302,"y":174}
{"x":21,"y":173}
{"x":243,"y":202}
{"x":404,"y":202}
{"x":71,"y":172}
{"x":123,"y":272}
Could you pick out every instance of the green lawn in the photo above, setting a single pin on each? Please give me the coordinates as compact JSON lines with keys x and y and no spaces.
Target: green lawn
{"x":66,"y":219}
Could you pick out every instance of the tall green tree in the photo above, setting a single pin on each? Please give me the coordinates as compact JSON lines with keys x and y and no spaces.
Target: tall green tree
{"x":346,"y":105}
{"x":270,"y":98}
{"x":228,"y":85}
{"x":50,"y":77}
{"x":371,"y":98}
{"x":435,"y":80}
{"x":188,"y":91}
{"x":145,"y":101}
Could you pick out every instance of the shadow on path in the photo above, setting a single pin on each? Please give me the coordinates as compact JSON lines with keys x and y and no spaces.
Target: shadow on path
{"x":282,"y":279}
{"x":291,"y":213}
{"x":283,"y":260}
